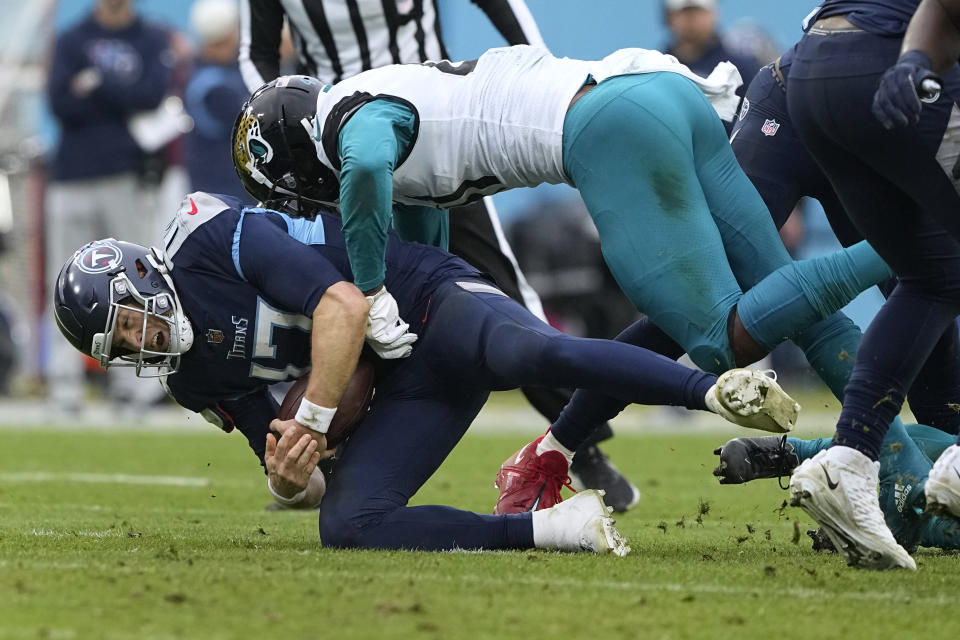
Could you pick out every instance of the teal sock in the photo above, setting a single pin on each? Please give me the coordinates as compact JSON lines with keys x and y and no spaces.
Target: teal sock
{"x":803,"y":292}
{"x":806,"y":449}
{"x":931,"y":441}
{"x":903,"y":474}
{"x":830,"y":347}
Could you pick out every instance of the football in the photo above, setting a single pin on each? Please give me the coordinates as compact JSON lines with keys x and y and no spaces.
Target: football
{"x":351,"y":409}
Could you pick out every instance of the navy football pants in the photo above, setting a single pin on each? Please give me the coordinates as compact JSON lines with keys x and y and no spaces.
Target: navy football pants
{"x":783,"y":171}
{"x":471,"y":343}
{"x":899,"y":198}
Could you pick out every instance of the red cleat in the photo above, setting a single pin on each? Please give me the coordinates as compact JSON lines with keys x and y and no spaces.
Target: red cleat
{"x":529,"y":482}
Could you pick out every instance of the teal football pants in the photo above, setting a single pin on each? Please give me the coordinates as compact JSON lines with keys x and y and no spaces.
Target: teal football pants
{"x":682,"y":228}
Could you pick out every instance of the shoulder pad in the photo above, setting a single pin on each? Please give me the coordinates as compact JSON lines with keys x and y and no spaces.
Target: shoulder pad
{"x":195,"y":209}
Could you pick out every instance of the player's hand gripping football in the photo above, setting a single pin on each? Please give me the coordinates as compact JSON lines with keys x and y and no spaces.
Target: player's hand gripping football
{"x":291,"y":459}
{"x":903,"y":90}
{"x":387,"y":333}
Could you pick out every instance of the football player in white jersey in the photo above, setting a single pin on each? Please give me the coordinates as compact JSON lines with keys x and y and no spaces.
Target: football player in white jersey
{"x":681,"y":227}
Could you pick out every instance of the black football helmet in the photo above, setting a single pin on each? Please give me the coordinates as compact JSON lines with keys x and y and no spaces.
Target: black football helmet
{"x":108,"y":275}
{"x":273,"y":146}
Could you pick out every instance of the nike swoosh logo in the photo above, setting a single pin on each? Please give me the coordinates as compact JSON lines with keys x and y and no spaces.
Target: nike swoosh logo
{"x":192,"y":211}
{"x":830,"y":483}
{"x":536,"y":503}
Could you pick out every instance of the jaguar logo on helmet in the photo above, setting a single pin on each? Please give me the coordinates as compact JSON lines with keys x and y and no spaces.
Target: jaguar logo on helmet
{"x":251,"y":148}
{"x":99,"y":257}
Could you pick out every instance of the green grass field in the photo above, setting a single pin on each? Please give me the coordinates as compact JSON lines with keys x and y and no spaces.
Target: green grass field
{"x":162,"y":534}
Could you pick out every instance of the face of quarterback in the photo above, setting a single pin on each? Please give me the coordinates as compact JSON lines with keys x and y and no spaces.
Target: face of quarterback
{"x":129,"y":333}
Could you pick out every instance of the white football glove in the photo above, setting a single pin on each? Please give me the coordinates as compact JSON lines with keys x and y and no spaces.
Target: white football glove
{"x":386,"y":332}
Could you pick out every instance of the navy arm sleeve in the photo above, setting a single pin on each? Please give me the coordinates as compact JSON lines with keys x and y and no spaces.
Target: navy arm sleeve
{"x":287,"y":273}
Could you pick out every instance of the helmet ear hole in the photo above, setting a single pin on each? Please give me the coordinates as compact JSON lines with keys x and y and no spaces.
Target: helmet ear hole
{"x":141,"y":270}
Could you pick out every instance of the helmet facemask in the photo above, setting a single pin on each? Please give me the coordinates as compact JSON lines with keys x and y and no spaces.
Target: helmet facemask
{"x":163,"y":306}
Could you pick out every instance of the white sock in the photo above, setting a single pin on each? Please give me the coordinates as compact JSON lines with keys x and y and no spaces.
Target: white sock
{"x":545,"y":534}
{"x":549,"y":443}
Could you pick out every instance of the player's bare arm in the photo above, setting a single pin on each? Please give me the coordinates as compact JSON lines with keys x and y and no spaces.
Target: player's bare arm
{"x":339,"y":323}
{"x":935,"y":31}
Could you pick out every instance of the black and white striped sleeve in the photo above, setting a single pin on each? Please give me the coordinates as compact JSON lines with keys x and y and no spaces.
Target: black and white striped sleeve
{"x":513,"y":20}
{"x":261,"y":26}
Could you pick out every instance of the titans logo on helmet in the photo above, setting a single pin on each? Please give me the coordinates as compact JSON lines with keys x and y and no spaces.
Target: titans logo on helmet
{"x":99,"y":257}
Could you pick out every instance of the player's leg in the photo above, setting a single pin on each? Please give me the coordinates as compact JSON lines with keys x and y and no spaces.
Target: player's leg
{"x":775,"y":160}
{"x":767,"y":148}
{"x":677,"y":260}
{"x":628,"y":151}
{"x":416,"y":419}
{"x":831,"y":88}
{"x":782,"y":298}
{"x":476,"y":236}
{"x":504,"y":346}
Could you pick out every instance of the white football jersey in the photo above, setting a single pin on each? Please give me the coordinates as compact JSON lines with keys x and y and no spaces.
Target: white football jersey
{"x":483,"y":125}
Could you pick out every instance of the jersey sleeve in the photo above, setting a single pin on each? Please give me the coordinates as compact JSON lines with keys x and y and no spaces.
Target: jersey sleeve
{"x":370,"y":147}
{"x":261,"y":25}
{"x":287,"y":272}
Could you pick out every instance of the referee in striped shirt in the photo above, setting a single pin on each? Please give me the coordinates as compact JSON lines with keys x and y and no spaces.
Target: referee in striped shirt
{"x":336,"y":39}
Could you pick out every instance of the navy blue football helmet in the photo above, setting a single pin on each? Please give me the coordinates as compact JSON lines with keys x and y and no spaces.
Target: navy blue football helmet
{"x":273,"y":147}
{"x":105,"y":276}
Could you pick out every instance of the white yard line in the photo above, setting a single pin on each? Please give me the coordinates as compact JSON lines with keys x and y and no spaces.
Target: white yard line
{"x":102,"y":478}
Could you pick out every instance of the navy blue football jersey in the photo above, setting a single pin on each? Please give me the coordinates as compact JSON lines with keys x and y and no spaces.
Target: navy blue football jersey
{"x":249,"y":280}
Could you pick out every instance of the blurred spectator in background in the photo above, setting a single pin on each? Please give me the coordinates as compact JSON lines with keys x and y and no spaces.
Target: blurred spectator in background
{"x":696,"y":42}
{"x":213,"y":98}
{"x":106,"y":69}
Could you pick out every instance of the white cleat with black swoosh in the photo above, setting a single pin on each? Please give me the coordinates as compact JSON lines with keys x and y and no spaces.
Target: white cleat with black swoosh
{"x":838,"y":488}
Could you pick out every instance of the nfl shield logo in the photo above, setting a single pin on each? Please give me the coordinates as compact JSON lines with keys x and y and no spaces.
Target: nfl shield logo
{"x":770,"y":127}
{"x":214,"y":336}
{"x":744,"y":107}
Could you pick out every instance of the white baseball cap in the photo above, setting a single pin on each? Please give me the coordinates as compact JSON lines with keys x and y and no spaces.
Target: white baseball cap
{"x":676,"y":5}
{"x":214,"y":20}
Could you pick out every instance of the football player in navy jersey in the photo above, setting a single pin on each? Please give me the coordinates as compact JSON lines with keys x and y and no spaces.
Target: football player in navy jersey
{"x":897,"y":195}
{"x":931,"y":45}
{"x":772,"y":155}
{"x":237,"y":299}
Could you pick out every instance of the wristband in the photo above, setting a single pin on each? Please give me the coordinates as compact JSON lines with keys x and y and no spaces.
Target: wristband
{"x":283,"y":499}
{"x":314,"y":417}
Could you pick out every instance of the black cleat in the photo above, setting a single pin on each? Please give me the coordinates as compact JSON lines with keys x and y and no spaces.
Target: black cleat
{"x":746,"y":459}
{"x":591,"y":469}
